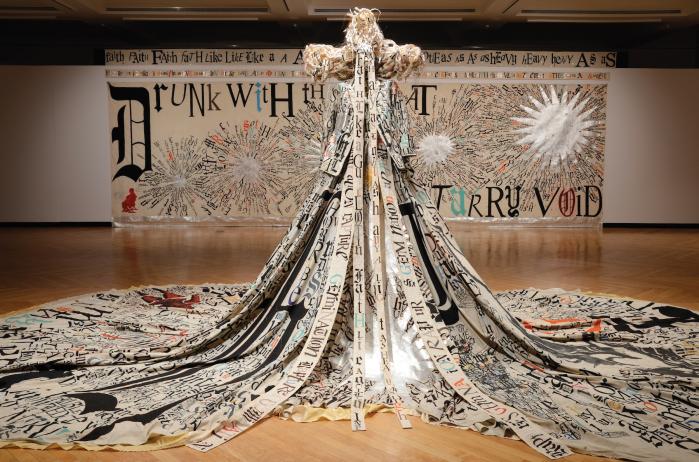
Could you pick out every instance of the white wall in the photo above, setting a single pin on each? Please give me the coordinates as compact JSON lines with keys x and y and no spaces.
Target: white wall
{"x":55,"y":143}
{"x":652,"y":156}
{"x":54,"y":161}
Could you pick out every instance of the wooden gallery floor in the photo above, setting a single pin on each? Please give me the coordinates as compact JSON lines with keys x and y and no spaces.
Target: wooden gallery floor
{"x":41,"y":264}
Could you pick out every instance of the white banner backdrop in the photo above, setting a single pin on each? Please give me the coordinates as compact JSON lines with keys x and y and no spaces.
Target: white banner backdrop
{"x":234,"y":136}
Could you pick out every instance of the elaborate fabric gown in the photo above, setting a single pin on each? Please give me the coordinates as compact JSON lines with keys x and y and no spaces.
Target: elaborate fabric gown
{"x":367,"y":302}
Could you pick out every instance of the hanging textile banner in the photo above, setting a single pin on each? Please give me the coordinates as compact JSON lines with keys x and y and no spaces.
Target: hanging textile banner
{"x":236,"y":136}
{"x":234,"y":56}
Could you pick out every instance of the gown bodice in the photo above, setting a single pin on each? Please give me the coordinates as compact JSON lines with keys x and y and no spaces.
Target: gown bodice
{"x":392,"y":126}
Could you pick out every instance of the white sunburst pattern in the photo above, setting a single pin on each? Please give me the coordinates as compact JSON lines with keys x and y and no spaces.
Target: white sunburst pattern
{"x":445,"y":142}
{"x":573,"y":154}
{"x":175,"y":186}
{"x":246,"y":170}
{"x":435,"y":149}
{"x":491,"y":153}
{"x":556,"y":128}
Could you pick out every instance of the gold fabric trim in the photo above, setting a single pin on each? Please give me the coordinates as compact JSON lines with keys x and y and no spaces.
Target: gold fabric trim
{"x":304,"y":413}
{"x":153,"y":444}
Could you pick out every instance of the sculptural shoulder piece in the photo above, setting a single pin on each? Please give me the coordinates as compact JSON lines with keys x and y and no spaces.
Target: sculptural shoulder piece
{"x":392,"y":61}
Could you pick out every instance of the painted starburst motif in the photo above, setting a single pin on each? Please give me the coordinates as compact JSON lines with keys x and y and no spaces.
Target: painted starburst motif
{"x":444,"y":139}
{"x":246,"y":168}
{"x":494,"y":156}
{"x":301,"y":144}
{"x":175,"y":185}
{"x":556,"y":128}
{"x":435,"y":149}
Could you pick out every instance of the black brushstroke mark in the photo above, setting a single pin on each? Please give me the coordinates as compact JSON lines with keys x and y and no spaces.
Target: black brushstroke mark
{"x":96,"y":401}
{"x":450,"y":315}
{"x":7,"y":381}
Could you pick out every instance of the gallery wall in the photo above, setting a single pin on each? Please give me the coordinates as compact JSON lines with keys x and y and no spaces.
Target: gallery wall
{"x":652,"y":156}
{"x":55,"y":165}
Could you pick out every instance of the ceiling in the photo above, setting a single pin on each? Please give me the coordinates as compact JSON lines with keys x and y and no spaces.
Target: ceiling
{"x":484,"y":11}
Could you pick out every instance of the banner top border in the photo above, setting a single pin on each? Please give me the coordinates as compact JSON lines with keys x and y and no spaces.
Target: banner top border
{"x":159,"y":57}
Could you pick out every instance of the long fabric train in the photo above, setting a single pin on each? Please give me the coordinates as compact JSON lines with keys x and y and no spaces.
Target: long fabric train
{"x":366,"y":300}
